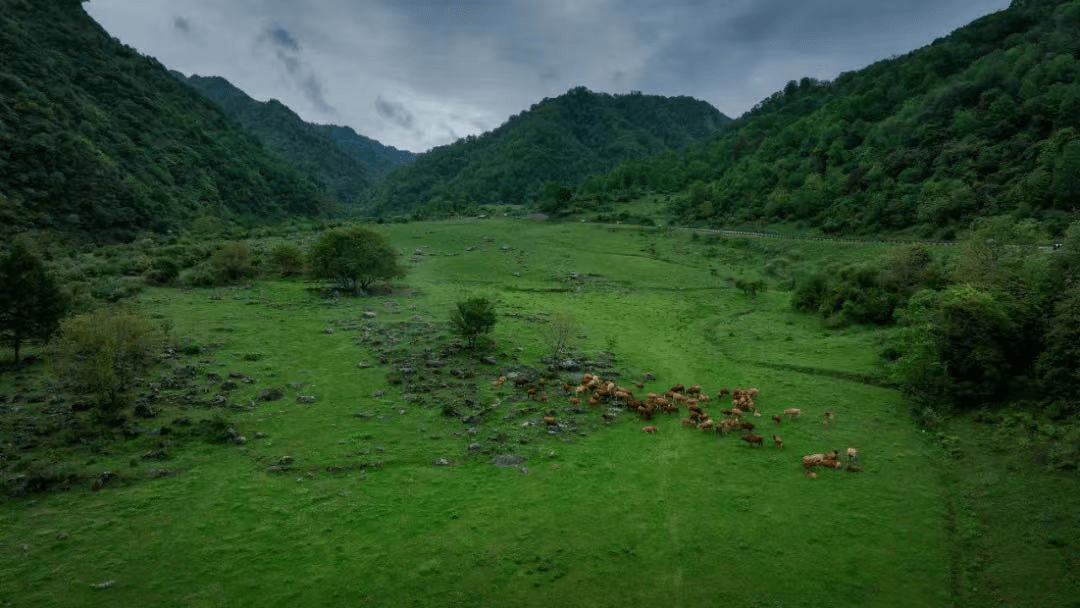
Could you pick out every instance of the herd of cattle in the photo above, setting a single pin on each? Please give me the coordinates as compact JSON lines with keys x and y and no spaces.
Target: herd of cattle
{"x":597,"y":391}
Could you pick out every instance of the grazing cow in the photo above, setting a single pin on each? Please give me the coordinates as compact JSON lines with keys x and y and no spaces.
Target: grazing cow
{"x":746,"y":426}
{"x":727,"y":425}
{"x":779,"y":442}
{"x":687,"y":422}
{"x":812,"y":460}
{"x":567,"y":387}
{"x":678,"y":388}
{"x":776,"y":418}
{"x":575,"y":401}
{"x":753,"y":439}
{"x":649,"y":429}
{"x":708,"y":424}
{"x":792,"y":412}
{"x":852,"y":455}
{"x":544,"y":398}
{"x":496,"y":383}
{"x":693,"y":390}
{"x":811,"y":474}
{"x":550,"y":420}
{"x":854,"y":468}
{"x":723,"y":392}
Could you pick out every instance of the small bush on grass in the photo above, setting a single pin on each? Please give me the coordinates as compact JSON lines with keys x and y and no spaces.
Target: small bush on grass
{"x":101,"y":354}
{"x":473,"y":318}
{"x":232,"y":263}
{"x":288,"y":259}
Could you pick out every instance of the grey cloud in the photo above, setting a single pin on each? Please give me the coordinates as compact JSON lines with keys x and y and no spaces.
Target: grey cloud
{"x":313,"y":90}
{"x":182,"y":24}
{"x":395,"y":112}
{"x":281,"y":37}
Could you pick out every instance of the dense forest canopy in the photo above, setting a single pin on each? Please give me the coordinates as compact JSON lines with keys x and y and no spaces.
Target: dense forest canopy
{"x":980,"y":123}
{"x":557,"y":141}
{"x":99,"y":140}
{"x":347,"y":163}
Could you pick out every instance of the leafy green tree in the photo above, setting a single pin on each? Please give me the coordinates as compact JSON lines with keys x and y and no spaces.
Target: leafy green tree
{"x":955,"y":347}
{"x":31,"y":304}
{"x":473,"y":318}
{"x":102,"y":354}
{"x":355,"y":258}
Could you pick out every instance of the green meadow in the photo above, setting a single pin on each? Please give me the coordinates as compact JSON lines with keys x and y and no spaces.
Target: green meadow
{"x":381,"y":491}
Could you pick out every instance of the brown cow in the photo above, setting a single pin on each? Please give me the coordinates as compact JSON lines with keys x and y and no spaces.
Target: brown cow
{"x":649,"y":429}
{"x":776,"y":418}
{"x":550,"y":420}
{"x":779,"y":442}
{"x":753,"y":439}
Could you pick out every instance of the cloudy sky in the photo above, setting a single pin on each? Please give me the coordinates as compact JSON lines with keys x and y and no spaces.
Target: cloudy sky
{"x":420,"y":73}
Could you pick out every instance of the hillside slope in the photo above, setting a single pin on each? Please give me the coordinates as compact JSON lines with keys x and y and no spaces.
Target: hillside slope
{"x":982,"y":122}
{"x":346,"y":162}
{"x":97,"y":139}
{"x":558,"y":140}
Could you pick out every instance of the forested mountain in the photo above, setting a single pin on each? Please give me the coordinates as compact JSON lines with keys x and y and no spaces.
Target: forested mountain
{"x":98,"y":139}
{"x":336,"y":156}
{"x":557,"y":141}
{"x":379,"y":158}
{"x":981,"y":122}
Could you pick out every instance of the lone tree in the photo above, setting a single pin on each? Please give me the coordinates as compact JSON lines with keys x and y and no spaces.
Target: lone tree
{"x":473,"y":318}
{"x":31,"y":304}
{"x":355,"y":258}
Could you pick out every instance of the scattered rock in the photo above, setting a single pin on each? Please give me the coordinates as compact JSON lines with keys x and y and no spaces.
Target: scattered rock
{"x":370,"y":314}
{"x":441,"y":462}
{"x":569,"y":365}
{"x":270,"y":394}
{"x":475,"y":447}
{"x":158,"y":473}
{"x":103,"y":585}
{"x":228,"y":385}
{"x":648,"y":377}
{"x":285,"y":461}
{"x":306,"y":398}
{"x":328,"y":331}
{"x":363,"y":365}
{"x":236,"y":375}
{"x":378,"y":393}
{"x":507,"y":460}
{"x":489,"y":360}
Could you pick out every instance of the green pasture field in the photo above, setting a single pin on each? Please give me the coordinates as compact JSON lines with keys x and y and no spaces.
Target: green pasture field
{"x":372,"y":496}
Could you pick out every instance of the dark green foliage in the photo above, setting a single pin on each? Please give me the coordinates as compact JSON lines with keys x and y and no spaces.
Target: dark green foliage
{"x":868,"y":292}
{"x":31,"y":304}
{"x":232,"y":262}
{"x":1059,"y":363}
{"x":98,"y":139}
{"x":101,"y":354}
{"x":980,"y":123}
{"x":355,"y":258}
{"x":539,"y":154}
{"x":336,"y":156}
{"x":957,"y":348}
{"x":473,"y":318}
{"x":288,"y":259}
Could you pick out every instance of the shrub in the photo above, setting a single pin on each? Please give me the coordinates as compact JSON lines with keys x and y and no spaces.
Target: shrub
{"x":102,"y":353}
{"x":232,"y":262}
{"x":288,"y":259}
{"x":473,"y":318}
